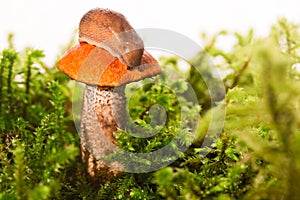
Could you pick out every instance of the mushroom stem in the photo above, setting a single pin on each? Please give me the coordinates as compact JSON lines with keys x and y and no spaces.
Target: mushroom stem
{"x":103,"y":112}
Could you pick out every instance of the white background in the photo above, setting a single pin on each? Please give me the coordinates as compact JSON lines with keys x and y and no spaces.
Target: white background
{"x":49,"y":24}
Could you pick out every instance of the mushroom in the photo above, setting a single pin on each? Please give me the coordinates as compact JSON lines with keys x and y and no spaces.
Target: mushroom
{"x":105,"y":76}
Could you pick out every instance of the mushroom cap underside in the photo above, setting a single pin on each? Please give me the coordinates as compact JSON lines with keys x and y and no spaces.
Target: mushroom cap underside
{"x":95,"y":66}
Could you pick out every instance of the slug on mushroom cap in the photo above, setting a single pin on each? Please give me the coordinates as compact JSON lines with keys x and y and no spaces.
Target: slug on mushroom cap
{"x":110,"y":30}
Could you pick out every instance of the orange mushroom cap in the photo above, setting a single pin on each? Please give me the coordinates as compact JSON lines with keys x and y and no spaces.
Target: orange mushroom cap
{"x":95,"y":66}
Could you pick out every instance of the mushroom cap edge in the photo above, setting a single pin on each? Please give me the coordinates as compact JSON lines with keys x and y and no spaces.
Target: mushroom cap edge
{"x":93,"y":65}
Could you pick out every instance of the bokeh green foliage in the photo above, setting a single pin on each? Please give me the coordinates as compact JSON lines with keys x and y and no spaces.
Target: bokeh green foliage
{"x":255,"y":156}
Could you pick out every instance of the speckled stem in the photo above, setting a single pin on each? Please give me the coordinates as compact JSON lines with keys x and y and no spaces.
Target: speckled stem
{"x":103,"y":111}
